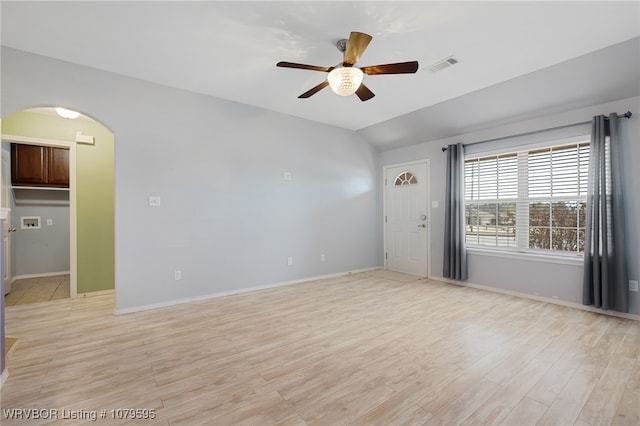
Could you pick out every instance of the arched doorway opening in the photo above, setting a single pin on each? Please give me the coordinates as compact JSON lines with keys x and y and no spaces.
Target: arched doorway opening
{"x":89,"y":200}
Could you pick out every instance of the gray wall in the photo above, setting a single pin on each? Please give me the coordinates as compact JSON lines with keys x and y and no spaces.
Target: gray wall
{"x":563,"y":281}
{"x":44,"y":250}
{"x":228,"y":220}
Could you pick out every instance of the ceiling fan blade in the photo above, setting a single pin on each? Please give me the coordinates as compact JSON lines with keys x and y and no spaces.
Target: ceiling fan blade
{"x":314,"y":90}
{"x":356,"y":46}
{"x":397,"y":68}
{"x":303,"y":66}
{"x":364,"y":93}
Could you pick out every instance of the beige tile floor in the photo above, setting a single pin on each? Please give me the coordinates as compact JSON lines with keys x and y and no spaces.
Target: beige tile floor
{"x":351,"y":350}
{"x":40,"y":289}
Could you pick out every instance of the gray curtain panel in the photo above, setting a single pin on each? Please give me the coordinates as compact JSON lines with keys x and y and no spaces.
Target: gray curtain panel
{"x":605,"y":282}
{"x":455,"y":252}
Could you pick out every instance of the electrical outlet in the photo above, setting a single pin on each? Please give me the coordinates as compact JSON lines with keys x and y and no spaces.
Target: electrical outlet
{"x":289,"y":261}
{"x":154,"y":201}
{"x":322,"y":258}
{"x":286,"y":175}
{"x":633,"y":285}
{"x":177,"y":275}
{"x":49,"y":222}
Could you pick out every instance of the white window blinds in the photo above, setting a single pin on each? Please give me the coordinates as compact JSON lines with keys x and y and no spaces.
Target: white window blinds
{"x":559,"y":171}
{"x":530,"y":200}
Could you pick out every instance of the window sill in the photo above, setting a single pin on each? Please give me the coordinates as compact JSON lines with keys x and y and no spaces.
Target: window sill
{"x":547,"y":258}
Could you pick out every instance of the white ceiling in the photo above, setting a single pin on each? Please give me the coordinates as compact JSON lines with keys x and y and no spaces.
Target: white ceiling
{"x":229,"y":49}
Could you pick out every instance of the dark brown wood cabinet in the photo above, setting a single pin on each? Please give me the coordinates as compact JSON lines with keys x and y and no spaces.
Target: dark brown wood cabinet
{"x":34,"y":165}
{"x":58,"y":170}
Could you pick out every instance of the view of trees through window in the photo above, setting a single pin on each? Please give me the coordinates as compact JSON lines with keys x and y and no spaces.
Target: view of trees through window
{"x":530,"y":199}
{"x":557,"y":226}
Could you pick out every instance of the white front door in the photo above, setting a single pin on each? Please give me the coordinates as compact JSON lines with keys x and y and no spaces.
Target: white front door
{"x":406,"y":219}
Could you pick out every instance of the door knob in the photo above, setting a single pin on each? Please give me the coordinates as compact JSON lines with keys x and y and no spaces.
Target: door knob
{"x":422,"y":226}
{"x":423,"y":217}
{"x":11,"y":229}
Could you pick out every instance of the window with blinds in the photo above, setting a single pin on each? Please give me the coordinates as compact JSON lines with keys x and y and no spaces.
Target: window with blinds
{"x":531,"y":200}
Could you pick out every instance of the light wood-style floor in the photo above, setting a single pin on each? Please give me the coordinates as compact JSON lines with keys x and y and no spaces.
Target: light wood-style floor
{"x":361,"y":349}
{"x":38,"y":289}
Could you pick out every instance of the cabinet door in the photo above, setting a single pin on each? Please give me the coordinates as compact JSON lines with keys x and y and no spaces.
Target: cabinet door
{"x":58,"y":169}
{"x":28,"y":164}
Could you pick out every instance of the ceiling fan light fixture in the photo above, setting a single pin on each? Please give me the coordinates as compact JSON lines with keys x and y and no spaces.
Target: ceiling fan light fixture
{"x":67,"y":113}
{"x":344,"y":81}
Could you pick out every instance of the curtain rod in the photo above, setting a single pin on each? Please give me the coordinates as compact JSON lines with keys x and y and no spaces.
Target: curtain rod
{"x":627,"y":114}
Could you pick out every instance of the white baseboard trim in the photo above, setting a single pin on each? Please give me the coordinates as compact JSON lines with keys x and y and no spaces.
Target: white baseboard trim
{"x":4,"y":376}
{"x":239,"y":291}
{"x":538,"y":298}
{"x":95,"y":293}
{"x":46,"y":274}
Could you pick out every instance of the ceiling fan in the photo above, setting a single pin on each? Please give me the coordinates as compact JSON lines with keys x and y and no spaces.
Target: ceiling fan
{"x":345,"y":78}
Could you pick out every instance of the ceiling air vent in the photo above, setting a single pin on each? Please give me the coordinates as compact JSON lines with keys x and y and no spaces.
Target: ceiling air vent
{"x":443,"y":64}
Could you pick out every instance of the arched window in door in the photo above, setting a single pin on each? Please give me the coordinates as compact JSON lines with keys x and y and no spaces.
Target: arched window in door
{"x":405,"y":178}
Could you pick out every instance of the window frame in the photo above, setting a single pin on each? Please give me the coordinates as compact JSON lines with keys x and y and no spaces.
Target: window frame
{"x":523,"y":200}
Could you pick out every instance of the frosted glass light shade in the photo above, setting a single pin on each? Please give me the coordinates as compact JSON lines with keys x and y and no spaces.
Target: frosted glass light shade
{"x":344,"y":81}
{"x":67,"y":113}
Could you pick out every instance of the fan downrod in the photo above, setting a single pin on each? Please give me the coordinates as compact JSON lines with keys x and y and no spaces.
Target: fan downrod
{"x":342,"y":44}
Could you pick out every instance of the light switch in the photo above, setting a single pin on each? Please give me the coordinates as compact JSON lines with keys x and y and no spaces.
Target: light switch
{"x":154,"y":201}
{"x":286,"y":175}
{"x":49,"y":222}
